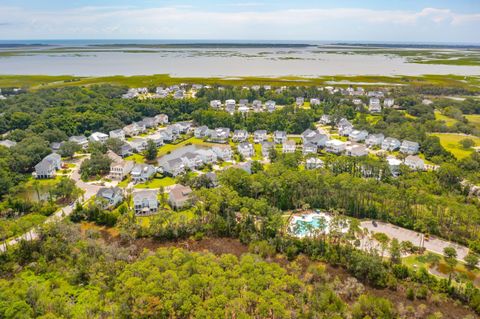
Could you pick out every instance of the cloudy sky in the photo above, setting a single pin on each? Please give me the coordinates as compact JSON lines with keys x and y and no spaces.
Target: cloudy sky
{"x":363,"y":20}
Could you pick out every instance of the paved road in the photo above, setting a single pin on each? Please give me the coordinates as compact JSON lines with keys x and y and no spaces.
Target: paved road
{"x":89,"y":191}
{"x":434,"y":244}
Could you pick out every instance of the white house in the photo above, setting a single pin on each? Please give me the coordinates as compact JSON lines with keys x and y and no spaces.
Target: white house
{"x":118,"y":134}
{"x":314,"y":137}
{"x":374,"y":140}
{"x":246,"y":149}
{"x":309,"y":148}
{"x":138,"y":144}
{"x":223,"y":152}
{"x":156,"y":138}
{"x":279,"y":137}
{"x":174,"y":167}
{"x":142,"y":173}
{"x":270,"y":105}
{"x":80,"y":140}
{"x":132,"y":129}
{"x":48,"y":166}
{"x":257,"y":106}
{"x":415,"y":162}
{"x":145,"y":201}
{"x":394,"y":165}
{"x":119,"y":168}
{"x":313,"y":163}
{"x":219,"y":135}
{"x":243,"y":109}
{"x":259,"y":136}
{"x":388,"y":102}
{"x":201,"y":131}
{"x":8,"y":143}
{"x":344,"y":127}
{"x":240,"y":136}
{"x":357,"y":135}
{"x":109,"y":197}
{"x":314,"y":101}
{"x":374,"y":105}
{"x":161,"y":119}
{"x":230,"y":106}
{"x":98,"y":137}
{"x":216,"y":104}
{"x":357,"y":102}
{"x":356,"y":150}
{"x":335,"y":146}
{"x":266,"y":147}
{"x":409,"y":147}
{"x":390,"y":144}
{"x":325,"y":119}
{"x":299,"y":101}
{"x":289,"y":146}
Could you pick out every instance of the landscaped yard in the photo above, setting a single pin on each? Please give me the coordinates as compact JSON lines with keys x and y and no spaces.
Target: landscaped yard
{"x":451,"y":142}
{"x":171,"y":147}
{"x":157,"y":183}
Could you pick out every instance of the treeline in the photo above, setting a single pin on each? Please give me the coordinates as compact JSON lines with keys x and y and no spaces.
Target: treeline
{"x":286,"y":119}
{"x":57,"y":113}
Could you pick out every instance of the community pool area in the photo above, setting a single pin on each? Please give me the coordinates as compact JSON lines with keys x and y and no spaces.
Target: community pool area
{"x":315,"y":222}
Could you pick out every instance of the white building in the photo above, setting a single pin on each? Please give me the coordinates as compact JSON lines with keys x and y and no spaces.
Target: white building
{"x":335,"y":146}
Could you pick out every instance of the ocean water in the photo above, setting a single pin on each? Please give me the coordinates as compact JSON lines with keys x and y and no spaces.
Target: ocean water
{"x":127,"y":57}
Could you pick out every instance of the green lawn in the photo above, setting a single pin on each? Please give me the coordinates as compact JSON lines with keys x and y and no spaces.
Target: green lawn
{"x":448,"y":120}
{"x":474,"y":119}
{"x":137,"y":158}
{"x":171,"y":147}
{"x":157,"y":183}
{"x":451,"y":143}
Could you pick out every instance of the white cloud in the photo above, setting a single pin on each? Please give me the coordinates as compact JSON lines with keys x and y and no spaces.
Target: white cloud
{"x":246,"y":23}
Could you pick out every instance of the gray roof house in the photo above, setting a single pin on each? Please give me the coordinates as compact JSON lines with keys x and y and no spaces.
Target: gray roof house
{"x":174,"y":167}
{"x":299,"y":101}
{"x":270,"y":105}
{"x":415,"y":162}
{"x":48,"y":166}
{"x":259,"y":136}
{"x":109,"y":197}
{"x":313,"y":163}
{"x":240,"y":136}
{"x":279,"y":137}
{"x":314,"y":137}
{"x":325,"y":119}
{"x":357,"y":135}
{"x":356,"y":150}
{"x":374,"y":105}
{"x":161,"y":119}
{"x":132,"y":129}
{"x":125,"y":150}
{"x":119,"y":134}
{"x":201,"y":131}
{"x":156,"y":138}
{"x":80,"y":140}
{"x":138,"y":144}
{"x":149,"y":122}
{"x":8,"y":143}
{"x":220,"y":135}
{"x":344,"y":127}
{"x":142,"y":173}
{"x":145,"y":201}
{"x":289,"y":146}
{"x":98,"y":137}
{"x":309,"y":148}
{"x":246,"y":149}
{"x":266,"y":147}
{"x":374,"y":140}
{"x":409,"y":147}
{"x":390,"y":144}
{"x":223,"y":152}
{"x":179,"y":196}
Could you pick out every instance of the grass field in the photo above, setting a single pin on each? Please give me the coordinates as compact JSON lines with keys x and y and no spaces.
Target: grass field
{"x":451,"y":142}
{"x":43,"y":81}
{"x":448,"y":120}
{"x":474,"y":119}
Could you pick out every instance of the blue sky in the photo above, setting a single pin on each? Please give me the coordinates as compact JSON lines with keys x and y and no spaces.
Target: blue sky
{"x":366,"y":20}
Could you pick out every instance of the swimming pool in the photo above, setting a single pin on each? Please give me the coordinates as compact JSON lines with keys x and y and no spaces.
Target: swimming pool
{"x":309,"y":224}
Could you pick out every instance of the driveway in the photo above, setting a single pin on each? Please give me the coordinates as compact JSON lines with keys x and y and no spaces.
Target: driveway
{"x":89,"y":191}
